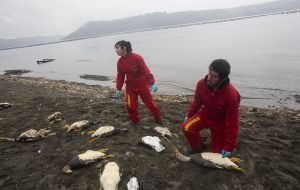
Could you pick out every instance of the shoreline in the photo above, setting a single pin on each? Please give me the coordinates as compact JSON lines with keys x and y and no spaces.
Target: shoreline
{"x":92,"y":88}
{"x":269,"y":142}
{"x":73,"y":88}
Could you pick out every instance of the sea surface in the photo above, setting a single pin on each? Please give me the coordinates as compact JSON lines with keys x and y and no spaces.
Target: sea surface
{"x":264,"y":53}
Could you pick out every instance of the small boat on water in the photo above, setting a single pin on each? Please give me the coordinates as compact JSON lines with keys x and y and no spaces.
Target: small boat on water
{"x":44,"y":61}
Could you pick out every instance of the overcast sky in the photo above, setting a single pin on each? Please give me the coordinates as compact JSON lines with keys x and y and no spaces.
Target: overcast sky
{"x":27,"y":18}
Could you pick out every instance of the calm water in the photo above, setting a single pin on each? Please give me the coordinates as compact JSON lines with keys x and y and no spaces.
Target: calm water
{"x":264,"y":54}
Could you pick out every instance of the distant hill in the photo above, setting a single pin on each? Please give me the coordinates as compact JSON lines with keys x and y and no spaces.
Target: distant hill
{"x":153,"y":20}
{"x":161,"y":19}
{"x":21,"y":42}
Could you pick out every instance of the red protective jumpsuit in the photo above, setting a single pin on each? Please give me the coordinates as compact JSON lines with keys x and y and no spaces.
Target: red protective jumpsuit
{"x":217,"y":110}
{"x":138,"y":82}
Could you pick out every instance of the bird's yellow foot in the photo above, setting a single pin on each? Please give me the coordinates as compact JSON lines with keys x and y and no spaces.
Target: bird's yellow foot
{"x":66,"y":126}
{"x":51,"y":134}
{"x":92,"y":140}
{"x":103,"y":150}
{"x":90,"y":132}
{"x":109,"y":156}
{"x":177,"y":152}
{"x":235,"y":159}
{"x":239,"y":169}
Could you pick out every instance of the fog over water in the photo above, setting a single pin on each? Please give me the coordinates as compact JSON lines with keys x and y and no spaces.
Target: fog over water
{"x":264,"y":54}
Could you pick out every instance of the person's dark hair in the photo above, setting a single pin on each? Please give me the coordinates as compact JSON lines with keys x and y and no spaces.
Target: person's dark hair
{"x":221,"y":66}
{"x":125,"y":44}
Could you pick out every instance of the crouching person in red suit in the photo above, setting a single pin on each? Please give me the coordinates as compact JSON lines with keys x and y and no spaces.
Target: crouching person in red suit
{"x":139,"y":82}
{"x":215,"y":106}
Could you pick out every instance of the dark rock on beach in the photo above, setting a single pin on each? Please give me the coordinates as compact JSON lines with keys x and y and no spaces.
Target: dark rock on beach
{"x":297,"y":98}
{"x":16,"y":72}
{"x":96,"y":77}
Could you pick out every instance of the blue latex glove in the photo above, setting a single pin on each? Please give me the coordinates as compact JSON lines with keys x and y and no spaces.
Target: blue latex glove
{"x":153,"y":88}
{"x":118,"y":94}
{"x":225,"y":153}
{"x":186,"y":118}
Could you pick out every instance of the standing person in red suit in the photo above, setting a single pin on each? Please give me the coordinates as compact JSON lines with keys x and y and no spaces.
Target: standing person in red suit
{"x":215,"y":106}
{"x":139,"y":82}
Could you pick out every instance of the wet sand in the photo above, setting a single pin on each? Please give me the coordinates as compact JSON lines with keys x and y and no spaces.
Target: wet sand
{"x":268,"y":142}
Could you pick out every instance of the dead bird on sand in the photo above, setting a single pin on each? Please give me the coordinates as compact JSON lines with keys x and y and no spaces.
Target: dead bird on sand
{"x":105,"y":131}
{"x":165,"y":132}
{"x":79,"y":125}
{"x":133,"y":184}
{"x":30,"y":135}
{"x":54,"y":118}
{"x":84,"y":159}
{"x":211,"y":160}
{"x":110,"y":177}
{"x":5,"y":105}
{"x":153,"y":142}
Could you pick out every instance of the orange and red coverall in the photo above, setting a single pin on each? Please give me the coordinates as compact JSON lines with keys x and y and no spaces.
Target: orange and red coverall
{"x":138,"y":82}
{"x":217,"y":110}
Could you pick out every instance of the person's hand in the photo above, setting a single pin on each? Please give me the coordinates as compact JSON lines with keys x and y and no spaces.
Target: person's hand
{"x":118,"y":94}
{"x":225,"y":153}
{"x":186,"y":118}
{"x":153,"y":88}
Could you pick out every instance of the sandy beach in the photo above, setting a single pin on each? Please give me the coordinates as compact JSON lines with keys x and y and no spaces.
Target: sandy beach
{"x":269,"y":142}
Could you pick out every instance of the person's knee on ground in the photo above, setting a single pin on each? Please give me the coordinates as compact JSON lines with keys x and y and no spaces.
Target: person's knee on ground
{"x":193,"y":138}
